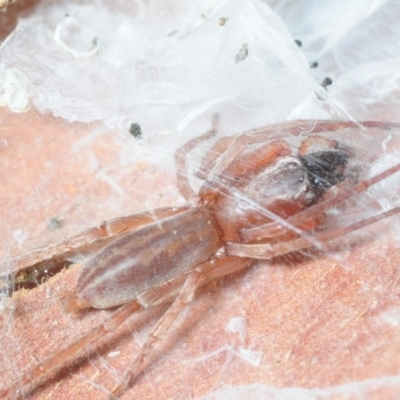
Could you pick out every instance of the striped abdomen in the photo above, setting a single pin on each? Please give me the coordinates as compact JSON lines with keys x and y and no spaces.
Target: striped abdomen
{"x":148,"y":257}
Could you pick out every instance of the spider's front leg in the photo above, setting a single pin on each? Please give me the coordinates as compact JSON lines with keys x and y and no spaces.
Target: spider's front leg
{"x":268,"y":251}
{"x":302,"y":220}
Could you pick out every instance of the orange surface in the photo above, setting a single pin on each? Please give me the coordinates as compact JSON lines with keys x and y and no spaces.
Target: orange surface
{"x":329,"y":323}
{"x":326,"y":327}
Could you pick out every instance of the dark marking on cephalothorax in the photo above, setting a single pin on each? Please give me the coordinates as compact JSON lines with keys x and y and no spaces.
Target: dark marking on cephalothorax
{"x":325,"y":169}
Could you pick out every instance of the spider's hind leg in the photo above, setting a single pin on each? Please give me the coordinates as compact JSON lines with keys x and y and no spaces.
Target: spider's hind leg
{"x":199,"y":276}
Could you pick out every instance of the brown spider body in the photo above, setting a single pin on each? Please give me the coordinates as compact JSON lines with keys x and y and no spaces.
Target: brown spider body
{"x":253,"y":202}
{"x":167,"y":249}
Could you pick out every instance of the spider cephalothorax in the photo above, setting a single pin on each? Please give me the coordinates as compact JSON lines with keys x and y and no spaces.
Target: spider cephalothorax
{"x":280,"y":188}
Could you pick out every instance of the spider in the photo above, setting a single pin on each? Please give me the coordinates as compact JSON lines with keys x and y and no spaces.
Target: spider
{"x":257,"y":201}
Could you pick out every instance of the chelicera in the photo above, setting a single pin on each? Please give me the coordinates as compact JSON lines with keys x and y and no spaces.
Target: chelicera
{"x":258,"y":200}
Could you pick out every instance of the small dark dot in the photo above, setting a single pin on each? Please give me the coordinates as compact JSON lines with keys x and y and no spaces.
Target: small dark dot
{"x":314,"y":64}
{"x":136,"y":131}
{"x":298,"y":42}
{"x":54,"y":223}
{"x":326,"y":82}
{"x":242,"y":54}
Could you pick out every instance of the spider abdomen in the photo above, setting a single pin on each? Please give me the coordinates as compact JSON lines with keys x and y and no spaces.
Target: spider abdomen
{"x":148,"y":257}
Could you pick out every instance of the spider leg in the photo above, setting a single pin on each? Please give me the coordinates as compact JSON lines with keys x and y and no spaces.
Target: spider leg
{"x":92,"y":239}
{"x":181,"y":161}
{"x":153,"y":297}
{"x":268,"y":251}
{"x":304,"y":219}
{"x":200,"y":275}
{"x":66,"y":354}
